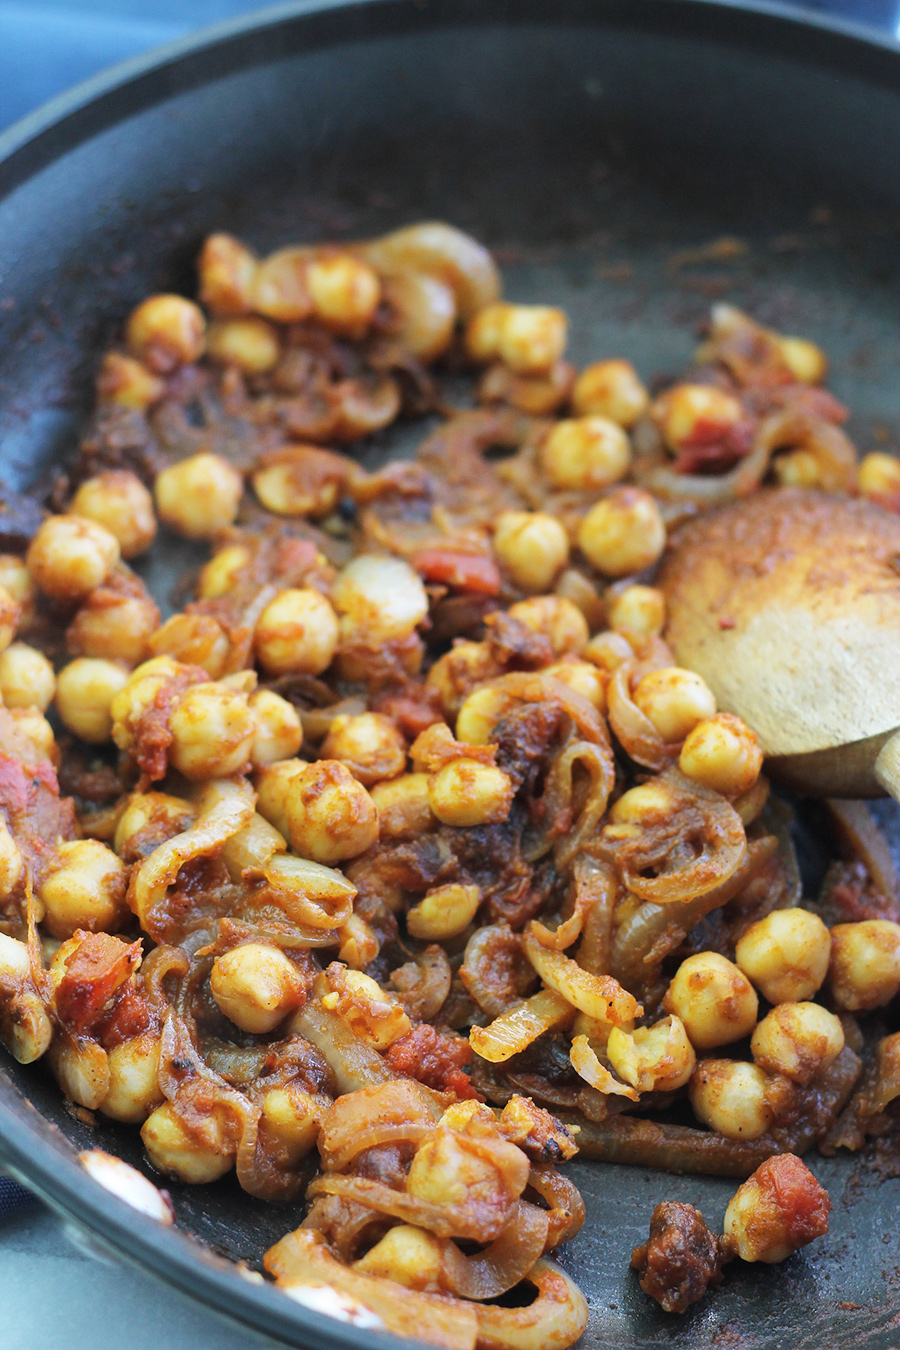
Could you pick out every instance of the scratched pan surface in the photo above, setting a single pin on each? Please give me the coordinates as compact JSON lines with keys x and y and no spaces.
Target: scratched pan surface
{"x":605,"y":151}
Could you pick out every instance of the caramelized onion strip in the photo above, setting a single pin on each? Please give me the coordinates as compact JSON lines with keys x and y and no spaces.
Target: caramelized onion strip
{"x":513,"y":1031}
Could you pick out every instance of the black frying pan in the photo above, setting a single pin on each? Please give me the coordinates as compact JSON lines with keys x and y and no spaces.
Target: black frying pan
{"x":600,"y":147}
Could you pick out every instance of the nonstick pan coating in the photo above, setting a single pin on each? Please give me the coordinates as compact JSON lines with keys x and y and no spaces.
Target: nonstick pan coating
{"x":606,"y":151}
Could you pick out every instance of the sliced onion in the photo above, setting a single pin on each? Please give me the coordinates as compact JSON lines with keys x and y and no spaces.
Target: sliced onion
{"x":385,"y":1112}
{"x":599,"y":996}
{"x":513,"y":1031}
{"x":554,"y":1321}
{"x":354,"y":1064}
{"x":586,"y":1064}
{"x":563,"y":1199}
{"x":505,"y":1262}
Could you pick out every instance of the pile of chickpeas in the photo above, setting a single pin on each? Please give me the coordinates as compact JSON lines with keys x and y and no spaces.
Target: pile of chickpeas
{"x":577,"y":575}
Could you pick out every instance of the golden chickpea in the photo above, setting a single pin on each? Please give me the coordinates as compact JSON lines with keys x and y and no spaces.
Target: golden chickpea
{"x":85,"y":890}
{"x":220,"y":574}
{"x":301,"y":480}
{"x":411,"y":1256}
{"x":172,"y":1148}
{"x":119,"y":501}
{"x":227,"y":275}
{"x":648,"y":803}
{"x":557,"y":618}
{"x":865,"y":964}
{"x":675,"y":701}
{"x":798,"y":1040}
{"x":732,"y":1097}
{"x":458,"y":671}
{"x":194,"y":640}
{"x":85,"y":690}
{"x":113,"y":626}
{"x":255,"y":986}
{"x":467,"y":792}
{"x":38,"y":730}
{"x":658,"y":1058}
{"x":623,"y":533}
{"x":778,"y":1209}
{"x":533,"y":548}
{"x":143,"y":685}
{"x":148,"y":820}
{"x":199,"y":496}
{"x":786,"y":954}
{"x":345,"y":292}
{"x":26,"y":678}
{"x":16,"y":579}
{"x":296,"y":632}
{"x":403,"y":806}
{"x":688,"y":409}
{"x":722,"y":753}
{"x":279,"y":734}
{"x":879,"y":475}
{"x":445,"y":912}
{"x":714,"y":999}
{"x":530,"y":339}
{"x":480,"y":713}
{"x":69,"y":556}
{"x":134,"y":1089}
{"x":369,"y":744}
{"x":292,"y":1116}
{"x":581,"y":676}
{"x":804,"y":359}
{"x":273,"y":784}
{"x":585,"y":454}
{"x":379,"y":598}
{"x":9,"y":617}
{"x":611,"y":389}
{"x":640,"y":610}
{"x":12,"y":863}
{"x":166,"y":331}
{"x":330,"y":815}
{"x":124,"y":381}
{"x":212,"y":732}
{"x":608,"y":651}
{"x":797,"y":468}
{"x":250,"y":344}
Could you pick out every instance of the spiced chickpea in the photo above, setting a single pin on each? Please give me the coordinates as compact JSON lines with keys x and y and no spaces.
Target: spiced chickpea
{"x":10,"y":612}
{"x":557,"y":618}
{"x":611,"y":389}
{"x":190,"y":1157}
{"x":804,"y":359}
{"x":85,"y":690}
{"x":674,"y":700}
{"x":16,"y":581}
{"x":404,"y":810}
{"x":297,"y":632}
{"x":69,"y":556}
{"x":273,"y":784}
{"x":585,"y":454}
{"x":714,"y":999}
{"x":686,"y":410}
{"x":330,"y":816}
{"x":345,"y":292}
{"x":118,"y":500}
{"x":530,"y":339}
{"x":250,"y":344}
{"x":278,"y":733}
{"x":26,"y":678}
{"x":798,"y":1040}
{"x":623,"y":533}
{"x":379,"y":599}
{"x":134,"y":1089}
{"x":640,"y":610}
{"x":722,"y":753}
{"x":785,"y":954}
{"x":113,"y":626}
{"x":199,"y":496}
{"x":194,"y":640}
{"x":212,"y":732}
{"x":370,"y":744}
{"x":864,"y":969}
{"x":166,"y":331}
{"x":85,"y":890}
{"x":124,"y":381}
{"x":780,"y":1208}
{"x":532,"y":546}
{"x":468,"y":792}
{"x":221,"y":572}
{"x":657,"y":1058}
{"x":878,"y":476}
{"x":733,"y":1097}
{"x":255,"y":986}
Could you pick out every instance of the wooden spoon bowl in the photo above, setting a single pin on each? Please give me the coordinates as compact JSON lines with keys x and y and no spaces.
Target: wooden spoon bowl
{"x":788,"y":605}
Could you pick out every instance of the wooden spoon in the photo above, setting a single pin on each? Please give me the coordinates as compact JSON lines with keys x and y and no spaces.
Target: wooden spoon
{"x":788,"y":605}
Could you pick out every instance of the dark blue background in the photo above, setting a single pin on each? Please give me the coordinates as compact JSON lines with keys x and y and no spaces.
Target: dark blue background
{"x":48,"y":45}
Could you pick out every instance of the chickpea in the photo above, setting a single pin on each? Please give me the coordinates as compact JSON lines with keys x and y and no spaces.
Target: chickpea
{"x":403,"y":806}
{"x":301,"y":480}
{"x":722,"y":753}
{"x":379,"y":599}
{"x":467,"y":792}
{"x":797,"y":468}
{"x":530,"y":339}
{"x":732,"y":1097}
{"x":411,"y":1256}
{"x":26,"y":678}
{"x":250,"y":344}
{"x":144,"y":684}
{"x":532,"y":546}
{"x":714,"y":999}
{"x":779,"y":1208}
{"x":688,"y":409}
{"x":12,"y":864}
{"x":16,"y":579}
{"x":804,"y":359}
{"x":581,"y":676}
{"x":148,"y":820}
{"x":113,"y":626}
{"x":608,"y":651}
{"x":865,"y":964}
{"x":25,"y":1028}
{"x":227,"y":275}
{"x":879,"y":476}
{"x":557,"y":618}
{"x":786,"y":954}
{"x":279,"y":734}
{"x":640,"y":610}
{"x":293,"y":1117}
{"x":611,"y":389}
{"x":85,"y":690}
{"x":369,"y":744}
{"x":273,"y":784}
{"x":658,"y":1058}
{"x":124,"y":381}
{"x":480,"y":713}
{"x":798,"y":1040}
{"x":38,"y":730}
{"x":189,"y":1157}
{"x":585,"y":454}
{"x":296,"y":632}
{"x":9,"y":618}
{"x":86,"y":889}
{"x":119,"y":501}
{"x":330,"y":815}
{"x":445,"y":912}
{"x":199,"y":496}
{"x":212,"y":732}
{"x":377,"y":1017}
{"x":256,"y":986}
{"x":220,"y":574}
{"x":194,"y":640}
{"x":623,"y":532}
{"x":648,"y":803}
{"x":345,"y":292}
{"x":69,"y":556}
{"x":675,"y":701}
{"x":166,"y":331}
{"x":134,"y":1089}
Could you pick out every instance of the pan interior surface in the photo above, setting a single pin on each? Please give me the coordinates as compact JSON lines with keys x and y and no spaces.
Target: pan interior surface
{"x":633,"y":165}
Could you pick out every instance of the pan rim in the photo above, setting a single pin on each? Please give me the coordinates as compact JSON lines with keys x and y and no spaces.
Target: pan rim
{"x":74,"y":117}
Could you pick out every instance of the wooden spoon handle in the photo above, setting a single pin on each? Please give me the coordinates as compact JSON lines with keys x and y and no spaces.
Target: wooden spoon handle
{"x":887,"y":766}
